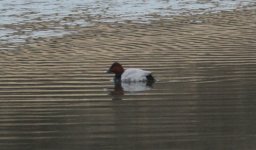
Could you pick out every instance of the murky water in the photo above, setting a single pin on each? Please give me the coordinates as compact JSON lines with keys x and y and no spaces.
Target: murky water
{"x":55,"y":95}
{"x":23,"y":20}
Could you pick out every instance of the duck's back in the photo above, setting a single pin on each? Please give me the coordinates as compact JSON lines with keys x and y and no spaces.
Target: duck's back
{"x":134,"y":74}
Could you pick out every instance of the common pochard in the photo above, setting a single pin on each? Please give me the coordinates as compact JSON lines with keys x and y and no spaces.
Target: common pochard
{"x":130,"y":74}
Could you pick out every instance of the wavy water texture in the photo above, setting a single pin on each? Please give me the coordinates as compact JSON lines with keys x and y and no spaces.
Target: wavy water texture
{"x":54,"y":93}
{"x":23,"y":20}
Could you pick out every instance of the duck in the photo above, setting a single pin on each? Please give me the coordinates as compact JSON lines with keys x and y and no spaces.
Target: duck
{"x":130,"y":74}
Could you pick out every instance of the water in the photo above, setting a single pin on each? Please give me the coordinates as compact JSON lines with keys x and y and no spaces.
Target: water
{"x":56,"y":97}
{"x":78,"y":107}
{"x":55,"y":94}
{"x":23,"y":20}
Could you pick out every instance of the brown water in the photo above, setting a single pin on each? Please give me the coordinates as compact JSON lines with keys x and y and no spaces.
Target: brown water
{"x":55,"y":95}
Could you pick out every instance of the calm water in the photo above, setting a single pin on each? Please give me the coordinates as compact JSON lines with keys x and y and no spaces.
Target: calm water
{"x":83,"y":110}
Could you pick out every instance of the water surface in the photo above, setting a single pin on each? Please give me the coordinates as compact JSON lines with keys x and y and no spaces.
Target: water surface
{"x":55,"y":95}
{"x":24,"y":20}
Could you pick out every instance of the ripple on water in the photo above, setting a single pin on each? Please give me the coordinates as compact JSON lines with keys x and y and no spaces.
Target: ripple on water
{"x":79,"y":13}
{"x":54,"y":94}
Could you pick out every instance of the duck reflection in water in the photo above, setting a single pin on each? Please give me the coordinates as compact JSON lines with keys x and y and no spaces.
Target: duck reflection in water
{"x":122,"y":88}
